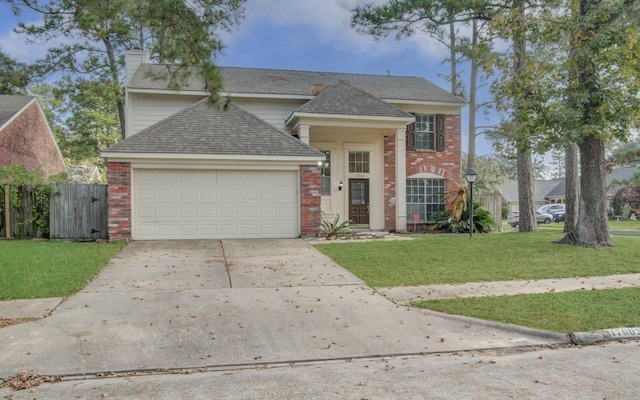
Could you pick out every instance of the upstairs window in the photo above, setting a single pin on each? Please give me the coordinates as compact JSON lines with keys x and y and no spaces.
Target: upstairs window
{"x":425,"y":132}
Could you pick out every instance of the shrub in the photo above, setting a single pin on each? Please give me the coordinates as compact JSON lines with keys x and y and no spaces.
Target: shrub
{"x":335,"y":228}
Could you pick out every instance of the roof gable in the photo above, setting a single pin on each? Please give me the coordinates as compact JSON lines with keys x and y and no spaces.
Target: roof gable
{"x":10,"y":105}
{"x":345,"y":99}
{"x":245,"y":81}
{"x":204,"y":129}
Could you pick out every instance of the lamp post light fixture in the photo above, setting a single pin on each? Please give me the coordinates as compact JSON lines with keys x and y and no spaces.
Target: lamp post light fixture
{"x":340,"y":185}
{"x":471,"y":177}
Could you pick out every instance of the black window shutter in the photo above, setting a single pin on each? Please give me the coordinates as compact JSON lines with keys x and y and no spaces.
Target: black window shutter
{"x":440,"y":119}
{"x":411,"y":136}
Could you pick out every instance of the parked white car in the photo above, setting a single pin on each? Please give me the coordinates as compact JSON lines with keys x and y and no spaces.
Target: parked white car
{"x":543,"y":218}
{"x":552,"y":208}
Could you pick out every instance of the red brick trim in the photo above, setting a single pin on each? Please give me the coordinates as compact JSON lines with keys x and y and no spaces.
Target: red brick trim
{"x":390,"y":183}
{"x":310,"y":198}
{"x":119,"y":199}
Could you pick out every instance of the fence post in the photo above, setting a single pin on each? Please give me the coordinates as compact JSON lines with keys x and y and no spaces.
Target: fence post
{"x":7,"y":207}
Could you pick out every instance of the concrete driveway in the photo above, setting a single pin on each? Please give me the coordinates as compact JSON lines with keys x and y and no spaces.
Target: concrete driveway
{"x":195,"y":304}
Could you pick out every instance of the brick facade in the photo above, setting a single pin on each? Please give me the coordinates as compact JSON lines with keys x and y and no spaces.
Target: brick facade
{"x":445,"y":163}
{"x":310,"y":197}
{"x":119,"y":198}
{"x":390,"y":183}
{"x":631,"y":195}
{"x":27,"y":140}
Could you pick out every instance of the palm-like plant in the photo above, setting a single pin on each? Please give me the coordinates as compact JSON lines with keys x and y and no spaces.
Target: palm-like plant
{"x":456,"y":217}
{"x":334,"y":228}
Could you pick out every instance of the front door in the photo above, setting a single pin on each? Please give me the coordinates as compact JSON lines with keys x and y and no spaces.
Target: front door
{"x":359,"y":201}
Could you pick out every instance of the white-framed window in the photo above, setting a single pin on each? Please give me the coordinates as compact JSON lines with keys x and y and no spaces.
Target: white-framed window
{"x":359,"y":161}
{"x":425,"y":197}
{"x":325,"y":174}
{"x":425,"y":132}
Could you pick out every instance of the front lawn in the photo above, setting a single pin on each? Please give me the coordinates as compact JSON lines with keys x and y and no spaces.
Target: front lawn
{"x":39,"y":269}
{"x":563,"y":312}
{"x":432,"y":259}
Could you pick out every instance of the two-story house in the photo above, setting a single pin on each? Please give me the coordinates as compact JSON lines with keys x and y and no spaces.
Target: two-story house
{"x":375,"y":149}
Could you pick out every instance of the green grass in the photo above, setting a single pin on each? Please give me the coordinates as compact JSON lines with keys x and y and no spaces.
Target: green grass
{"x":559,"y":312}
{"x":433,"y":259}
{"x":40,"y":269}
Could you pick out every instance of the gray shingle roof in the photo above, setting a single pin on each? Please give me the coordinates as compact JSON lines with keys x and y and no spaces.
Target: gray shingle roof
{"x":204,"y":129}
{"x":297,"y":83}
{"x":556,"y":187}
{"x":10,"y":105}
{"x":619,"y":179}
{"x":345,"y":99}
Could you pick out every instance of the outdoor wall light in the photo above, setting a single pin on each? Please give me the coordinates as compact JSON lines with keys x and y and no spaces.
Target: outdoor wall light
{"x":340,"y":185}
{"x":471,"y":177}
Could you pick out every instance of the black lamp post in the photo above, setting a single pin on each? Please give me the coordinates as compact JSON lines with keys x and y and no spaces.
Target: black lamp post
{"x":471,"y":177}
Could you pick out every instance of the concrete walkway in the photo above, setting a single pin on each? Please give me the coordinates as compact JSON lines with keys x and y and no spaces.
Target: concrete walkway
{"x":407,"y":294}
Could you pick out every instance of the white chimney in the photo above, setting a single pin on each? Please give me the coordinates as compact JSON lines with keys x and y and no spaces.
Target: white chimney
{"x":132,"y":60}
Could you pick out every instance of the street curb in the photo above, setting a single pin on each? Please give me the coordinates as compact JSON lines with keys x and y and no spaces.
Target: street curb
{"x":605,"y":335}
{"x":552,"y":337}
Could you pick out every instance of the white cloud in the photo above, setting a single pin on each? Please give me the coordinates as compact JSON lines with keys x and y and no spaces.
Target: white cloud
{"x":328,"y":22}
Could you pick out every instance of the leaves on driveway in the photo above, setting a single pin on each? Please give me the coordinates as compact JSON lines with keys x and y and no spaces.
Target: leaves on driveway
{"x":25,"y":380}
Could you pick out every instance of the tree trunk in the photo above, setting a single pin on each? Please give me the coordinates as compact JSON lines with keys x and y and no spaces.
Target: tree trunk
{"x":473,"y":88}
{"x":452,"y":55}
{"x":115,"y":82}
{"x":571,"y":187}
{"x":526,"y":194}
{"x":592,"y":229}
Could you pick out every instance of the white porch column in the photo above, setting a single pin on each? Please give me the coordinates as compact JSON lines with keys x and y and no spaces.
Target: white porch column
{"x":401,"y":181}
{"x":303,"y":133}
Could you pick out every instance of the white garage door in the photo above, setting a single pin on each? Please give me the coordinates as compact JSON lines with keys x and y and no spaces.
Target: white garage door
{"x":214,"y":204}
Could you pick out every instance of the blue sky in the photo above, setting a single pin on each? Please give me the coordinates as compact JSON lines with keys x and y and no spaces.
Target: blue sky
{"x":313,"y":35}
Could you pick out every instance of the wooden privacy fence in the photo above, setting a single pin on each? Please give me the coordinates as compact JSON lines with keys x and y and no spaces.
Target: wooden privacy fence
{"x":493,"y":204}
{"x":76,"y":212}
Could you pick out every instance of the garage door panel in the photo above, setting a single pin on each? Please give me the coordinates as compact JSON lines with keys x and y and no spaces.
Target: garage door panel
{"x":208,"y":195}
{"x":228,"y":195}
{"x":167,"y":212}
{"x":208,"y":212}
{"x":147,"y":212}
{"x":189,"y":194}
{"x":214,"y":204}
{"x":188,"y":230}
{"x":188,"y":212}
{"x":167,"y":195}
{"x":249,"y":195}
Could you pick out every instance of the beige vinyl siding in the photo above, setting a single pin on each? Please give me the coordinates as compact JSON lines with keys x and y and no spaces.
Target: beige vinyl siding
{"x":147,"y":110}
{"x":273,"y":111}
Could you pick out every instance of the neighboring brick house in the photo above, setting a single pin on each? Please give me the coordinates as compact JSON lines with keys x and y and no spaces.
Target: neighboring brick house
{"x":25,"y":136}
{"x":371,"y":148}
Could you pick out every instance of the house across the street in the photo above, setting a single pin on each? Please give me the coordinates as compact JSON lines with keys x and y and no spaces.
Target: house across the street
{"x":375,"y":149}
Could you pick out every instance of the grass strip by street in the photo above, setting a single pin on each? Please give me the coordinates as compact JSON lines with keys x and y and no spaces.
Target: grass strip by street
{"x":559,"y":312}
{"x":40,"y":269}
{"x":437,"y":259}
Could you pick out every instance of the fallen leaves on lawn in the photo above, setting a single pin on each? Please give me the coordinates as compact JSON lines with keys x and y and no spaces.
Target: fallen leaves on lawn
{"x":24,"y":380}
